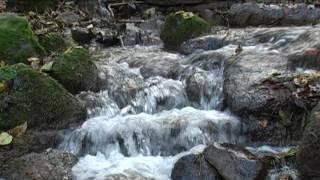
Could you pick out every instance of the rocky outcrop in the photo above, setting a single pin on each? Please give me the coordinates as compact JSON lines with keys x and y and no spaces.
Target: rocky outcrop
{"x":308,"y":156}
{"x":35,"y":98}
{"x":17,"y":42}
{"x":260,"y":14}
{"x":234,"y":162}
{"x":181,"y":26}
{"x":193,"y":167}
{"x":50,"y":165}
{"x":75,"y":70}
{"x":205,"y":43}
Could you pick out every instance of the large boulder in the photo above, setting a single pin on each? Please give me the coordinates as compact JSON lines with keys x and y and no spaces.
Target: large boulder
{"x":259,"y":88}
{"x":181,"y":26}
{"x":75,"y":70}
{"x":32,"y":5}
{"x":308,"y":156}
{"x":17,"y":42}
{"x":35,"y":98}
{"x":234,"y":162}
{"x":50,"y":165}
{"x":193,"y":167}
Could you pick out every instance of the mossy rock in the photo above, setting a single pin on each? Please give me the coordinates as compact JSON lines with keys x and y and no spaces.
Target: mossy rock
{"x":52,"y":42}
{"x":32,"y":5}
{"x":75,"y":70}
{"x":181,"y":26}
{"x":36,"y":98}
{"x":17,"y":42}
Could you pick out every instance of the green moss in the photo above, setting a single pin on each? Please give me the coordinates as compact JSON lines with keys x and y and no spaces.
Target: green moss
{"x":75,"y":70}
{"x":181,"y":26}
{"x":35,"y":98}
{"x":52,"y":42}
{"x":17,"y":42}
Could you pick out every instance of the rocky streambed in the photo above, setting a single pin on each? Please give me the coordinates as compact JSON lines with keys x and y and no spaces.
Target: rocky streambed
{"x":226,"y":104}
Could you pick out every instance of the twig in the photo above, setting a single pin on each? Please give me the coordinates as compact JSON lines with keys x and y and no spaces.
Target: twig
{"x":125,"y":3}
{"x":130,"y":21}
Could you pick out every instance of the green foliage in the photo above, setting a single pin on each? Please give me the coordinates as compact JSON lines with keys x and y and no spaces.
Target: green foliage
{"x":52,"y":42}
{"x":181,"y":26}
{"x":17,"y":42}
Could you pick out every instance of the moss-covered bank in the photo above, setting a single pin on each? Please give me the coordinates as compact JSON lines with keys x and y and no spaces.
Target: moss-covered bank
{"x":17,"y":42}
{"x":36,"y":98}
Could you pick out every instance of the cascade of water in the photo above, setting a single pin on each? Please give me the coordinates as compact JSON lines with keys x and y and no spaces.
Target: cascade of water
{"x":142,"y":123}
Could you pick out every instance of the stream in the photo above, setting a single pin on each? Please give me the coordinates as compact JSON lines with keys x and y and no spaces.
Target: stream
{"x":158,"y":106}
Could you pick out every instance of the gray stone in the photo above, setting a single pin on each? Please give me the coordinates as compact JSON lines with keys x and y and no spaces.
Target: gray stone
{"x":233,"y":162}
{"x":308,"y":156}
{"x":49,"y":165}
{"x":194,"y":167}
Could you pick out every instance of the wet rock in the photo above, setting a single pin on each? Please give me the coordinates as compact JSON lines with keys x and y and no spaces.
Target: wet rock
{"x":302,"y":14}
{"x":267,"y":105}
{"x":212,"y":17}
{"x":31,"y":141}
{"x":245,"y":14}
{"x":108,"y":37}
{"x":94,"y":7}
{"x":121,"y":82}
{"x":204,"y":79}
{"x":193,"y":167}
{"x":308,"y":156}
{"x":174,"y":2}
{"x":17,"y":42}
{"x":75,"y":70}
{"x":128,"y":176}
{"x":307,"y":59}
{"x":82,"y":35}
{"x":234,"y":162}
{"x":165,"y":64}
{"x":36,"y":98}
{"x":259,"y":14}
{"x":211,"y":42}
{"x":51,"y":165}
{"x":133,"y":35}
{"x":181,"y":26}
{"x":68,"y":18}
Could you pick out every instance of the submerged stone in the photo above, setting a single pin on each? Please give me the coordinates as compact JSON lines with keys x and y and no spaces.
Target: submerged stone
{"x":17,"y":42}
{"x":181,"y":26}
{"x":37,"y":99}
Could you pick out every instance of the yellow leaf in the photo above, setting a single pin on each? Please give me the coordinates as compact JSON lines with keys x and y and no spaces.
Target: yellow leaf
{"x":19,"y":130}
{"x":3,"y":86}
{"x":5,"y":138}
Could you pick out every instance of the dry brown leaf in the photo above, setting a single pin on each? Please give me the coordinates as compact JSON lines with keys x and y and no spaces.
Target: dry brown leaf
{"x":19,"y":130}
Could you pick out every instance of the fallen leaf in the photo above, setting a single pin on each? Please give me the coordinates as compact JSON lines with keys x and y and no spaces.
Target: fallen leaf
{"x":3,"y":86}
{"x":19,"y":130}
{"x":47,"y":67}
{"x":5,"y":138}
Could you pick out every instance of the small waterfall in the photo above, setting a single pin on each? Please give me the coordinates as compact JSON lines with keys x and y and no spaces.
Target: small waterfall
{"x":165,"y":133}
{"x":156,"y":107}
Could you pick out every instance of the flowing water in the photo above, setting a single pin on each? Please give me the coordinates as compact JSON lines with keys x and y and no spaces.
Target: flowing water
{"x":157,"y":106}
